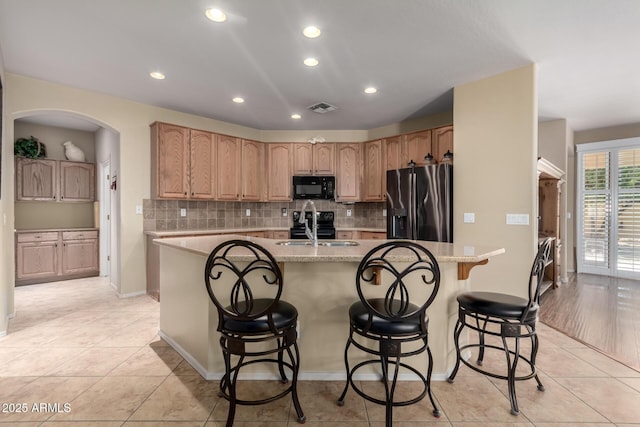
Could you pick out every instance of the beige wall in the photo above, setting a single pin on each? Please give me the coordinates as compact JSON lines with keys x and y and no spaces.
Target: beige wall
{"x":607,"y":133}
{"x":52,"y":137}
{"x":495,"y":141}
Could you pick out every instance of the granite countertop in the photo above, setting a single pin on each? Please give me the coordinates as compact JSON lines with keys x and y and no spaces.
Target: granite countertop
{"x":177,"y":233}
{"x":45,"y":230}
{"x":444,"y":252}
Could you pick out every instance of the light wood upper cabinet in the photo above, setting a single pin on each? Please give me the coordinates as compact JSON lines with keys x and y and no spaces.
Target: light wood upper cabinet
{"x":279,"y":171}
{"x":229,"y":167}
{"x":77,"y":182}
{"x":185,"y":162}
{"x":303,"y":159}
{"x":170,"y":152}
{"x":202,"y":165}
{"x":374,"y":174}
{"x":348,"y":172}
{"x":54,"y":180}
{"x":441,"y":141}
{"x":324,"y":159}
{"x":252,"y":169}
{"x":36,"y":179}
{"x":418,"y":145}
{"x":395,"y":157}
{"x":314,"y":159}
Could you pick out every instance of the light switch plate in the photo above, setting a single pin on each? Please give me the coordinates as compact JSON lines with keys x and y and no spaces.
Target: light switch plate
{"x":384,"y":212}
{"x":138,"y":209}
{"x":183,"y":212}
{"x":518,"y":219}
{"x":469,"y":217}
{"x":348,"y":212}
{"x":247,"y":212}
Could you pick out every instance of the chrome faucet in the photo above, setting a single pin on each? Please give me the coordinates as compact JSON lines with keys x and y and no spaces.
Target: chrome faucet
{"x":312,"y":235}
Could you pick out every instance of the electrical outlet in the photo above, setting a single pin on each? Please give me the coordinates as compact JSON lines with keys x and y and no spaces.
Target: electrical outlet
{"x":348,"y":212}
{"x":384,"y":212}
{"x":284,"y":212}
{"x":183,"y":212}
{"x":247,"y":212}
{"x":138,"y":209}
{"x":469,"y":217}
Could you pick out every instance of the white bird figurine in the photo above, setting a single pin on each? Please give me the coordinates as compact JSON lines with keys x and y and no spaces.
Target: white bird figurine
{"x":72,"y":152}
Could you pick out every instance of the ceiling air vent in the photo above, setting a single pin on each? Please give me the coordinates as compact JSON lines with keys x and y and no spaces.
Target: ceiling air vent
{"x":321,"y":107}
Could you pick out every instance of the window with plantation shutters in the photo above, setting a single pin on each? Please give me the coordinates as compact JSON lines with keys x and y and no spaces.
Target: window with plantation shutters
{"x":609,"y":208}
{"x":628,"y":211}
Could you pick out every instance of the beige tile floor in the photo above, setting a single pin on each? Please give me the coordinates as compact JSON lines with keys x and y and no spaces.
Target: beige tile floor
{"x":75,"y":343}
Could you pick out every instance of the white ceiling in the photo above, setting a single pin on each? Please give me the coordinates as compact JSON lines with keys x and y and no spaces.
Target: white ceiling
{"x":413,"y":51}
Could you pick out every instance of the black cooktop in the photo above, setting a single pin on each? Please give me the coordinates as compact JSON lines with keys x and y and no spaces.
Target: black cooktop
{"x":325,"y":218}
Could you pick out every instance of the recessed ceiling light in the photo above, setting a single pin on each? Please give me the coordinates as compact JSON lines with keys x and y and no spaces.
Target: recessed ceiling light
{"x":238,"y":100}
{"x":296,"y":116}
{"x":311,"y":32}
{"x":157,"y":75}
{"x":370,"y":90}
{"x":311,"y":62}
{"x":216,"y":15}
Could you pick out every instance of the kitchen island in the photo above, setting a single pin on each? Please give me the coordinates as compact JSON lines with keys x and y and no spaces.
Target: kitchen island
{"x":320,"y":282}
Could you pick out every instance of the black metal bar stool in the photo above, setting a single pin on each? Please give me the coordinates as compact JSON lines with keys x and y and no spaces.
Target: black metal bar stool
{"x":510,"y":317}
{"x":387,"y":318}
{"x":260,"y":328}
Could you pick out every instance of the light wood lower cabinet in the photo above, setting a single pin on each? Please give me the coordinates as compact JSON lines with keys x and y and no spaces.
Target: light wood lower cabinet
{"x":55,"y":255}
{"x":376,"y":235}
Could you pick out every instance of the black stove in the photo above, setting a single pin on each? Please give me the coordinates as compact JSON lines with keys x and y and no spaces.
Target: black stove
{"x":326,"y":230}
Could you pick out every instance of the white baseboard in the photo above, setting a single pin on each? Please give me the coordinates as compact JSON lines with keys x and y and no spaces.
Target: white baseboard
{"x":131,"y":294}
{"x":303,"y":376}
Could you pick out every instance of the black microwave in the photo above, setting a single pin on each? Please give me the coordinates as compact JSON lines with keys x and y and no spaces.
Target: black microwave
{"x":314,"y":187}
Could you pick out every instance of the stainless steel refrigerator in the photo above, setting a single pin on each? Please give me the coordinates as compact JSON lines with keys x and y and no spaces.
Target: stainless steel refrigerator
{"x":420,"y":203}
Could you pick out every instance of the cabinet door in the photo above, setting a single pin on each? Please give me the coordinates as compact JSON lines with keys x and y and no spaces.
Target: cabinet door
{"x":252,"y":170}
{"x":441,"y":141}
{"x":172,"y":160}
{"x":324,"y":159}
{"x":229,"y":167}
{"x":79,"y":256}
{"x":279,"y":161}
{"x":418,"y":145}
{"x":348,"y":172}
{"x":36,"y":179}
{"x":77,"y":182}
{"x":202,"y":170}
{"x":395,"y":157}
{"x":303,"y":159}
{"x":373,"y":173}
{"x":36,"y":259}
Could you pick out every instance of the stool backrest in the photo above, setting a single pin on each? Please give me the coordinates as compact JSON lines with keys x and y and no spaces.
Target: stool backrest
{"x":537,"y":272}
{"x":400,"y":272}
{"x":237,"y":273}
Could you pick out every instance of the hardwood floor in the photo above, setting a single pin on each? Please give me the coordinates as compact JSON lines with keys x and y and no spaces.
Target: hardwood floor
{"x":603,"y":312}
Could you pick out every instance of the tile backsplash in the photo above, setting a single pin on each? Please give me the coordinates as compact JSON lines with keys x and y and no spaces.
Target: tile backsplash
{"x":164,"y":215}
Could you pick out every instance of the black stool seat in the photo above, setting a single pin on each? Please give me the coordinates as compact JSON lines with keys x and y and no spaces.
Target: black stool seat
{"x":498,"y":305}
{"x":359,"y":315}
{"x":284,"y":316}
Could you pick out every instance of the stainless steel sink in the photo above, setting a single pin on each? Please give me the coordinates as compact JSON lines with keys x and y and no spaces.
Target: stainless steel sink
{"x":339,"y":243}
{"x":332,"y":243}
{"x":294,"y":243}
